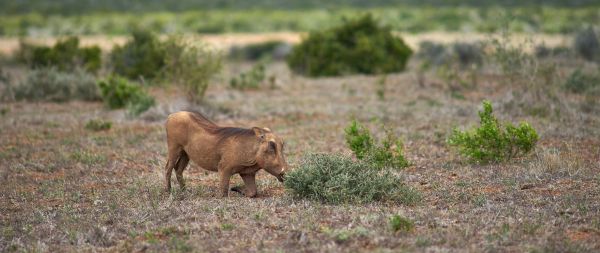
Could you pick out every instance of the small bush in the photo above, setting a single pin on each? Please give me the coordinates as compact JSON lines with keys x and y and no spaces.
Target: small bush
{"x":491,"y":142}
{"x":465,"y":54}
{"x":580,"y":82}
{"x":399,"y":223}
{"x":337,"y":179}
{"x":117,"y":93}
{"x":259,"y":51}
{"x":468,"y":54}
{"x":251,"y":79}
{"x":587,"y":44}
{"x":65,"y":55}
{"x":50,"y":84}
{"x":143,"y":56}
{"x":358,"y":46}
{"x":190,"y":66}
{"x":433,"y":53}
{"x":380,"y":154}
{"x":98,"y":125}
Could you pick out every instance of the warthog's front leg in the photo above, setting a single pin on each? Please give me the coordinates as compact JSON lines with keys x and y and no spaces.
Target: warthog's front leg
{"x":250,"y":182}
{"x":224,"y":176}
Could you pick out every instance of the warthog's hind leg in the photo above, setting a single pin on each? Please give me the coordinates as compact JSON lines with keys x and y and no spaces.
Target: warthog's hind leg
{"x":183,"y":161}
{"x":172,"y":158}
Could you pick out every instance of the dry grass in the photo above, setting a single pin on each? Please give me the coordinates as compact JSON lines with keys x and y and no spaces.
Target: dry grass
{"x":65,"y":188}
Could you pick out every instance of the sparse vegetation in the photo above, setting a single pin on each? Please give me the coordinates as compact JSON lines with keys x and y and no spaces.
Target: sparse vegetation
{"x":492,"y":141}
{"x":379,"y":153}
{"x":65,"y":55}
{"x":337,"y":179}
{"x":580,"y":82}
{"x":357,"y":46}
{"x":118,"y":92}
{"x":50,"y":84}
{"x":400,"y":223}
{"x":98,"y":125}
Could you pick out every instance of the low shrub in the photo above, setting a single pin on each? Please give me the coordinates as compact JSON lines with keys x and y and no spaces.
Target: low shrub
{"x":587,"y":44}
{"x":433,"y":53}
{"x":266,"y":50}
{"x":463,"y":53}
{"x":98,"y":125}
{"x":400,"y":223}
{"x":50,"y":84}
{"x":357,"y":46}
{"x":142,"y":56}
{"x":190,"y":66}
{"x":580,"y":82}
{"x":468,"y":54}
{"x":251,"y":79}
{"x":378,"y":153}
{"x":337,"y":179}
{"x":493,"y":142}
{"x":118,"y":93}
{"x":65,"y":55}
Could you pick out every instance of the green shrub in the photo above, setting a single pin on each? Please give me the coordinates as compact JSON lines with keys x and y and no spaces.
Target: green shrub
{"x":251,"y":79}
{"x":399,"y":223}
{"x":118,"y":92}
{"x":49,"y":84}
{"x":358,"y":46}
{"x":337,"y":179}
{"x":380,"y":154}
{"x":98,"y":125}
{"x":190,"y":66}
{"x":143,"y":56}
{"x":65,"y":55}
{"x":359,"y":139}
{"x":491,"y":142}
{"x":580,"y":82}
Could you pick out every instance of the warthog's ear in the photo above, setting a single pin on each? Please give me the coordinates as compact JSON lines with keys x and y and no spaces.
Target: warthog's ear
{"x":259,"y":132}
{"x":267,"y":129}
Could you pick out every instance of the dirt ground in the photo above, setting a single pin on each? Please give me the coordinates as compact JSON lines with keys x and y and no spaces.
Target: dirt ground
{"x":65,"y":188}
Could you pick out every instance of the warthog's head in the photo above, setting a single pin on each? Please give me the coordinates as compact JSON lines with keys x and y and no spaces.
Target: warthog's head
{"x":270,"y":155}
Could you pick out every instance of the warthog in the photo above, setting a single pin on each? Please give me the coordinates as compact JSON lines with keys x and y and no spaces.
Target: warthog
{"x":226,"y":150}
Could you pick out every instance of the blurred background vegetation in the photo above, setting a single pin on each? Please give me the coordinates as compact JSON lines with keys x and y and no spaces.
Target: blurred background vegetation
{"x":70,"y":17}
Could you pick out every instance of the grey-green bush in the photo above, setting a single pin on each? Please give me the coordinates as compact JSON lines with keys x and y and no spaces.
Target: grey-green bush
{"x":332,"y":178}
{"x":357,"y":46}
{"x":581,"y":82}
{"x":190,"y":66}
{"x":50,"y":84}
{"x":587,"y":44}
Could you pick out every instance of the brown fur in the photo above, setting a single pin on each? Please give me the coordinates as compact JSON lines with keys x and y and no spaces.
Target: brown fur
{"x":226,"y":150}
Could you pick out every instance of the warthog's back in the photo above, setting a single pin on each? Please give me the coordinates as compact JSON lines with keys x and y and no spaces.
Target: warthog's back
{"x":196,"y":135}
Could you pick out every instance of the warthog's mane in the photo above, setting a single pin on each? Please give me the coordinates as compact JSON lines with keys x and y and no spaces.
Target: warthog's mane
{"x":221,"y":132}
